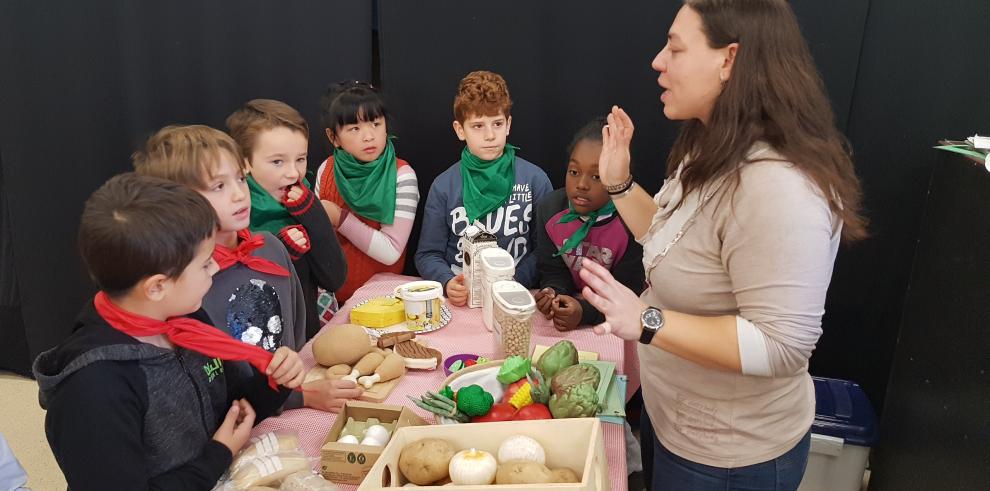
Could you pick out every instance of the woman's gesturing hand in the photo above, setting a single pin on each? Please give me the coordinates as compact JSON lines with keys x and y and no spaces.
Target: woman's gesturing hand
{"x":620,"y":305}
{"x":613,"y":165}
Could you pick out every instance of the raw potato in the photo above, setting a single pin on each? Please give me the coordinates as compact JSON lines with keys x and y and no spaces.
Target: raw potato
{"x":425,"y":461}
{"x":523,"y":472}
{"x":564,"y":475}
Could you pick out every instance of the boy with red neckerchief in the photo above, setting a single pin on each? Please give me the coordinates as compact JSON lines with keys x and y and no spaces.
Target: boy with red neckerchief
{"x":139,"y":395}
{"x":256,"y":296}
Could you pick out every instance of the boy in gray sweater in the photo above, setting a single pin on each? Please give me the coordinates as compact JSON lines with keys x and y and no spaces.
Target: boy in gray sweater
{"x":256,"y":296}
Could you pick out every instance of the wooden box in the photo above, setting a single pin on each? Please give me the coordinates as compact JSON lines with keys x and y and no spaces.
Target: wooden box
{"x":577,"y":444}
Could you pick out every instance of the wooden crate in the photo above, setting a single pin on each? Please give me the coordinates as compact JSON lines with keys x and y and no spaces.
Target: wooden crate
{"x":577,"y":444}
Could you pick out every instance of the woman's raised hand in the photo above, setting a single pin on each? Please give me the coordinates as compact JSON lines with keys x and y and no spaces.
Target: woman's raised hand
{"x":613,"y":165}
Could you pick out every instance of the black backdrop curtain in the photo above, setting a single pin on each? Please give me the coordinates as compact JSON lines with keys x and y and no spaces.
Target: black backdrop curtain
{"x":82,"y":84}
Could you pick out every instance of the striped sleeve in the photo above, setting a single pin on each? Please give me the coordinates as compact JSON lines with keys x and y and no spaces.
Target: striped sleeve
{"x":386,"y":245}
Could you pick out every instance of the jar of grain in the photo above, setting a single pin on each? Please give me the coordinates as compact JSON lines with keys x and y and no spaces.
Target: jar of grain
{"x":513,"y":308}
{"x":497,"y":265}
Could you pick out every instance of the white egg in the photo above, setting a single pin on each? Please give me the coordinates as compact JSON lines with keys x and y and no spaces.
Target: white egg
{"x":378,"y":432}
{"x":372,"y":441}
{"x":348,"y":439}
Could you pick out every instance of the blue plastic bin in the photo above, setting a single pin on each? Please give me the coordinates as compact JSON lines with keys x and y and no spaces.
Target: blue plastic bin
{"x":845,"y":428}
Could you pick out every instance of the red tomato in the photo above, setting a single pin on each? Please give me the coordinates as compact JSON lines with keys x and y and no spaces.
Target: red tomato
{"x":513,"y":387}
{"x":499,"y":412}
{"x":469,"y":363}
{"x":533,"y":411}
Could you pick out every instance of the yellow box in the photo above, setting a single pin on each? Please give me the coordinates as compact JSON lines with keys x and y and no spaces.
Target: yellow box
{"x":379,"y":312}
{"x":577,"y":444}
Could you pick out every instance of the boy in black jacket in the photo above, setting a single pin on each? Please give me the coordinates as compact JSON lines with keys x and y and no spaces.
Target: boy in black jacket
{"x":138,"y":396}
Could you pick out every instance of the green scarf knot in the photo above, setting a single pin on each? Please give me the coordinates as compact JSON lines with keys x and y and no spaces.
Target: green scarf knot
{"x":487,"y":184}
{"x":368,"y":188}
{"x":581,"y":233}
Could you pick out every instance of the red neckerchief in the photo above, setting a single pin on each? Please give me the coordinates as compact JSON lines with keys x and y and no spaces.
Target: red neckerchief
{"x":226,"y":257}
{"x":185,"y":332}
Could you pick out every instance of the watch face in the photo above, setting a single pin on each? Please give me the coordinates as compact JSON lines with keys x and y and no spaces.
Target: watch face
{"x":652,"y":318}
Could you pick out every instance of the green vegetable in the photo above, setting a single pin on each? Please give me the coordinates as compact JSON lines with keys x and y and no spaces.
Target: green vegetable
{"x":439,"y":404}
{"x":447,"y":392}
{"x":582,"y":373}
{"x":513,"y":368}
{"x":474,"y":401}
{"x":539,"y":389}
{"x":558,"y":357}
{"x":579,"y":401}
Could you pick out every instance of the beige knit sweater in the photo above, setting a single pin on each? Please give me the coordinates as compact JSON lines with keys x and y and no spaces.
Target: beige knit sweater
{"x":766,"y":256}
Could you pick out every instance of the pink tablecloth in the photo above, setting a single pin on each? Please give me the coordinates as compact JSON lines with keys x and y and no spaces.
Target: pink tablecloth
{"x":465,"y":333}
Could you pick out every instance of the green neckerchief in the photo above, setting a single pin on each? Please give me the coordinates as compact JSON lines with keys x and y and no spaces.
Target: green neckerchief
{"x":487,"y":183}
{"x":581,"y":233}
{"x":368,"y":188}
{"x":267,"y":213}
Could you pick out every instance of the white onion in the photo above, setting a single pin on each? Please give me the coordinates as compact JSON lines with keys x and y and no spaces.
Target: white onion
{"x":472,"y":467}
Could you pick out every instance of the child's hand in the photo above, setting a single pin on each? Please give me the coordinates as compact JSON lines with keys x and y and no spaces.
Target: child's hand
{"x":330,"y":395}
{"x":297,"y":236}
{"x":613,"y":163}
{"x":333,"y":211}
{"x":457,"y":292}
{"x":295,"y":192}
{"x":236,"y":427}
{"x":566,"y":313}
{"x":544,"y":300}
{"x":286,"y":368}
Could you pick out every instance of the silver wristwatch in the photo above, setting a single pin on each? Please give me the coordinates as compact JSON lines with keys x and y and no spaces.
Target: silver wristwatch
{"x":652,"y":321}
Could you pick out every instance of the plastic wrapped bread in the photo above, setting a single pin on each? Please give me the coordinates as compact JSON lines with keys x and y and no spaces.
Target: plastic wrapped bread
{"x":270,"y":469}
{"x":307,"y":481}
{"x":268,"y":444}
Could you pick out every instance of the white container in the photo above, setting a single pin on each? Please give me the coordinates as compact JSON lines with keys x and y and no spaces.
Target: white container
{"x":422,"y":301}
{"x":512,"y":324}
{"x":498,"y":265}
{"x":834,"y":465}
{"x":472,"y":243}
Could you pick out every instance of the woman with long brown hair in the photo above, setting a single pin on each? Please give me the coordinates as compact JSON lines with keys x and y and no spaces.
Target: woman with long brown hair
{"x":739,"y":246}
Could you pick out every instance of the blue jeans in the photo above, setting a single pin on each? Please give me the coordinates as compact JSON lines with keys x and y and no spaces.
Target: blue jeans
{"x":673,"y":473}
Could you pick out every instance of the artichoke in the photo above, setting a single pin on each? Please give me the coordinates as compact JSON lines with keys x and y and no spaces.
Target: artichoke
{"x":579,"y":401}
{"x":582,"y":373}
{"x":558,"y":357}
